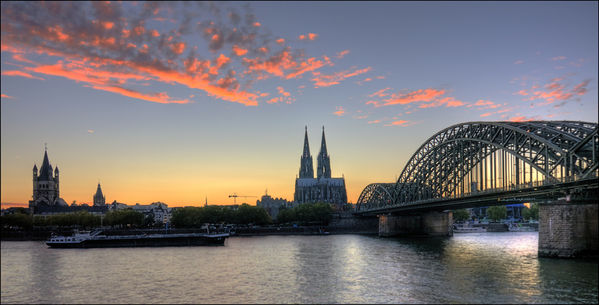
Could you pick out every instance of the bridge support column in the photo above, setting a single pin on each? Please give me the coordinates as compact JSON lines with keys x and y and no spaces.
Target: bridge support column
{"x":429,"y":224}
{"x":567,"y":230}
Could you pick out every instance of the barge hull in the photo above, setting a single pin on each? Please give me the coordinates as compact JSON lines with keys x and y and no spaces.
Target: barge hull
{"x":144,"y":242}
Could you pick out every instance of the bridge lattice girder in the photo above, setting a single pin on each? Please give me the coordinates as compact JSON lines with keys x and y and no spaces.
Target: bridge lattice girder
{"x":555,"y":149}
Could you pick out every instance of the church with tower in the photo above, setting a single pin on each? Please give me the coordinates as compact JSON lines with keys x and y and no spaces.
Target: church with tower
{"x":46,"y":191}
{"x":323,"y":188}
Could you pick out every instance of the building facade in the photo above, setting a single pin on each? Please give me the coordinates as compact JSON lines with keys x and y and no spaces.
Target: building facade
{"x":323,"y":188}
{"x":272,"y":205}
{"x":46,"y":187}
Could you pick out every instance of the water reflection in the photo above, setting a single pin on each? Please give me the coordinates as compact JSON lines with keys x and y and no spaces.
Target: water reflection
{"x":466,"y":268}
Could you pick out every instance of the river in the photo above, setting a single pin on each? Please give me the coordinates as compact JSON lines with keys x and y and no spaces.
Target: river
{"x":466,"y":268}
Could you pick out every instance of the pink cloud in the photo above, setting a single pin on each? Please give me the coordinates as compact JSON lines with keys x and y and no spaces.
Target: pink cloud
{"x":342,"y":54}
{"x":518,"y":62}
{"x":310,"y":36}
{"x":374,"y":103}
{"x":161,"y":97}
{"x":380,"y":93}
{"x":20,"y":73}
{"x":522,"y":119}
{"x":421,"y":95}
{"x":6,"y":96}
{"x":321,"y":80}
{"x":374,"y":122}
{"x":558,"y":58}
{"x":402,"y":123}
{"x":556,"y":91}
{"x":340,"y":111}
{"x":239,"y":51}
{"x":282,"y":91}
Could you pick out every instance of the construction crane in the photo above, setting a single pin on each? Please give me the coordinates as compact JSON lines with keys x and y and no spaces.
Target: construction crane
{"x":235,"y":197}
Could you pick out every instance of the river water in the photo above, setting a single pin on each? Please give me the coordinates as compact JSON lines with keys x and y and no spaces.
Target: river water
{"x":466,"y":268}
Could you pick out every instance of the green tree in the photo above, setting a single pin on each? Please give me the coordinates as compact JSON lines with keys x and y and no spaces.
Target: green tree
{"x":19,"y":220}
{"x":307,"y":213}
{"x":497,"y":212}
{"x":461,"y":215}
{"x":124,"y":218}
{"x":532,"y":212}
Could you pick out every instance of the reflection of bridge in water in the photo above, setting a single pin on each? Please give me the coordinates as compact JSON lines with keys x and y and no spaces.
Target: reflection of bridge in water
{"x":475,"y":164}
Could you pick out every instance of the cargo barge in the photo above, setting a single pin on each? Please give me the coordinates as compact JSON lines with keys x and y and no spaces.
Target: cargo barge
{"x":97,"y":240}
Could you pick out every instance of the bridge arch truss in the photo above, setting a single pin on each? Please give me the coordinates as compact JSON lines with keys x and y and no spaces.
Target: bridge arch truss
{"x":478,"y":156}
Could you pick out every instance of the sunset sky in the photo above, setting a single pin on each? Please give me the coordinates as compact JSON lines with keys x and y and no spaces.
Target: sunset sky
{"x":178,"y":102}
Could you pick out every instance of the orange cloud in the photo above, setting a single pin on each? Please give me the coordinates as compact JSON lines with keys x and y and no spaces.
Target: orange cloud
{"x":520,"y":119}
{"x":334,"y":79}
{"x":257,"y":24}
{"x":239,"y":51}
{"x":178,"y":48}
{"x":380,"y":93}
{"x":340,"y":111}
{"x":312,"y":36}
{"x":374,"y":103}
{"x":310,"y":65}
{"x":6,"y":96}
{"x":486,"y":104}
{"x":398,"y":123}
{"x":447,"y":101}
{"x":374,"y":122}
{"x":342,"y":54}
{"x":161,"y":97}
{"x":282,"y":91}
{"x":421,"y":95}
{"x":280,"y":41}
{"x":518,"y":62}
{"x":302,"y":37}
{"x":558,"y":58}
{"x":20,"y":73}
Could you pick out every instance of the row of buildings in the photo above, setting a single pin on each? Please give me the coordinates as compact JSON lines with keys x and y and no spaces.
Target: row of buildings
{"x":46,"y":198}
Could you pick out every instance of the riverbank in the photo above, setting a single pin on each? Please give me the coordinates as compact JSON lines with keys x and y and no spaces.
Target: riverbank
{"x":40,"y":234}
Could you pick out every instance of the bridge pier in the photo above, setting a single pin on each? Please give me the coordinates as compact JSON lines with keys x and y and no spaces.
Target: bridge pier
{"x":567,"y":229}
{"x":429,"y":223}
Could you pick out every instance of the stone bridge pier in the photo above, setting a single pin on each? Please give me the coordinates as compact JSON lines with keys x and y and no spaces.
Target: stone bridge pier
{"x":568,"y":229}
{"x":431,"y":223}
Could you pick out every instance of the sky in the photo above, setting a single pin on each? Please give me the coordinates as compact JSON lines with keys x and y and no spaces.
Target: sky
{"x":183,"y":102}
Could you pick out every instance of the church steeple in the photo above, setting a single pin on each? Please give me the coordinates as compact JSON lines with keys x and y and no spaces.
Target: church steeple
{"x":99,"y":199}
{"x":46,"y":169}
{"x":324,"y":162}
{"x":306,"y":167}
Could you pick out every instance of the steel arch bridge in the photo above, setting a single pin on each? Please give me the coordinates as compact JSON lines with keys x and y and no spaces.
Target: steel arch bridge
{"x":474,"y":158}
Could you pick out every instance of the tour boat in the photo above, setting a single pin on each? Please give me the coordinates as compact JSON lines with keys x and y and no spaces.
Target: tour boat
{"x":96,"y":240}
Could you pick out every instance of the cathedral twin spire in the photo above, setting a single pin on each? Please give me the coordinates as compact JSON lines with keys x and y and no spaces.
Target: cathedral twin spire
{"x":324,"y":163}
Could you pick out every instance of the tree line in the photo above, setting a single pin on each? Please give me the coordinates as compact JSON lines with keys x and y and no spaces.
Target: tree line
{"x":189,"y":217}
{"x":81,"y":219}
{"x":307,"y":213}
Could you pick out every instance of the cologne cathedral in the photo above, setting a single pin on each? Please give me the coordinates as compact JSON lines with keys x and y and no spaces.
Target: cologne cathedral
{"x":323,"y":188}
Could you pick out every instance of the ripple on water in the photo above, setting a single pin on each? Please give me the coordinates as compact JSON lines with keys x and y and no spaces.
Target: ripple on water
{"x":467,"y":268}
